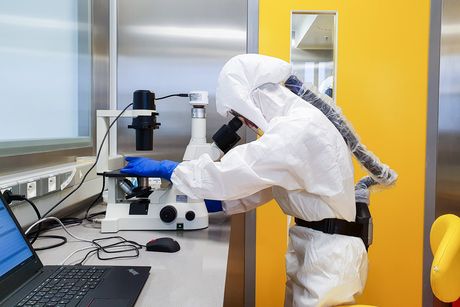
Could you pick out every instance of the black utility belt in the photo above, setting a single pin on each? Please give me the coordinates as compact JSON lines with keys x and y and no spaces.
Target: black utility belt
{"x":338,"y":226}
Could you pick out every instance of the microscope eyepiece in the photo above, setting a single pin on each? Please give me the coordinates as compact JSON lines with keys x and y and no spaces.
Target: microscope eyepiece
{"x":226,"y":137}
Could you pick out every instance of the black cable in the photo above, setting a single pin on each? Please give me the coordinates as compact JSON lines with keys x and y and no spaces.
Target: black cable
{"x":34,"y":206}
{"x":90,"y":217}
{"x":172,"y":95}
{"x":62,"y":238}
{"x":33,"y":236}
{"x":86,"y":256}
{"x":122,"y":240}
{"x":10,"y":197}
{"x":49,"y":226}
{"x":128,"y":248}
{"x":92,"y":166}
{"x":99,"y":196}
{"x":37,"y":212}
{"x":121,"y":246}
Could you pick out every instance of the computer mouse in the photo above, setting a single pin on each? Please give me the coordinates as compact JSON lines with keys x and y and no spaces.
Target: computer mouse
{"x":165,"y":245}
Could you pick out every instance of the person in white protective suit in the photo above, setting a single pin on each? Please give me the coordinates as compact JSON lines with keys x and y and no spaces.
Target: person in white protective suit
{"x":301,"y":161}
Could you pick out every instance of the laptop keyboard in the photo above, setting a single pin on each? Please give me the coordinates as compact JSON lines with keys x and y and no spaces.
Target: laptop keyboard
{"x":65,"y":287}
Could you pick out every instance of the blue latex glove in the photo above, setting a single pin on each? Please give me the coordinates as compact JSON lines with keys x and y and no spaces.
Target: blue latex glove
{"x":149,"y":168}
{"x":213,"y":205}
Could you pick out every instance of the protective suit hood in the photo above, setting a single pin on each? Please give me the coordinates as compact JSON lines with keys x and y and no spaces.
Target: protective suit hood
{"x":239,"y":80}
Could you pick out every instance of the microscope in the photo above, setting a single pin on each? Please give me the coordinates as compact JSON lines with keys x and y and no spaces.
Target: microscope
{"x":143,"y":203}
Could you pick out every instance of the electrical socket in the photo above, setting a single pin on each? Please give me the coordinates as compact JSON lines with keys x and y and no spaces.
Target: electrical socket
{"x":14,"y":188}
{"x":49,"y":184}
{"x":3,"y":189}
{"x":31,"y":189}
{"x":52,"y":184}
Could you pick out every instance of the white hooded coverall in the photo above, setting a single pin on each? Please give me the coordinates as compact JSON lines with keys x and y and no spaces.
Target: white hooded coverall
{"x":303,"y":162}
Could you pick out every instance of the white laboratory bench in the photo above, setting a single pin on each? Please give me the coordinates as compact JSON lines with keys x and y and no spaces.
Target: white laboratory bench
{"x":193,"y":277}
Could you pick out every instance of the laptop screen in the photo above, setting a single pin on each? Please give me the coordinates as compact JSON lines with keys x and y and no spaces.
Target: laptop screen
{"x":14,"y":249}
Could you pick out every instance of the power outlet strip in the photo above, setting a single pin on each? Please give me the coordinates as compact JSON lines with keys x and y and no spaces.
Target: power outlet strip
{"x":42,"y":181}
{"x":52,"y":184}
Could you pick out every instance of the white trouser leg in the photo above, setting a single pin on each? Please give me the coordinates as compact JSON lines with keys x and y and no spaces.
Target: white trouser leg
{"x":323,"y":269}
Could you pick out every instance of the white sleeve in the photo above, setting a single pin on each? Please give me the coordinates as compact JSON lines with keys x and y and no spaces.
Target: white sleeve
{"x":243,"y":171}
{"x":247,"y":203}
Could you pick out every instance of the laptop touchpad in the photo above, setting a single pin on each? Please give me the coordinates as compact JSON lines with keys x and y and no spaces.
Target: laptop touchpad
{"x":112,"y":302}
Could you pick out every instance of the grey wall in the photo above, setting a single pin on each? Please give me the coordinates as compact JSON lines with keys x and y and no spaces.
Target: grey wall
{"x":171,"y":46}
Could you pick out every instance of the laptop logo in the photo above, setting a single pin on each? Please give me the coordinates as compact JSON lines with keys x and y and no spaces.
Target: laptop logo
{"x":133,"y":272}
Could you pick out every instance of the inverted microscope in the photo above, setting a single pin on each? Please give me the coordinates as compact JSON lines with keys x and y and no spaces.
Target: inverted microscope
{"x":143,"y":203}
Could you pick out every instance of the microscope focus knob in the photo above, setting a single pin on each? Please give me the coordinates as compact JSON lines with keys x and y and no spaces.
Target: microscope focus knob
{"x":168,"y":214}
{"x":190,"y":215}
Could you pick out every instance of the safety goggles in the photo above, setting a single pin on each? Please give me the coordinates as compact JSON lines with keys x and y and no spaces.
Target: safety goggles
{"x":247,"y":122}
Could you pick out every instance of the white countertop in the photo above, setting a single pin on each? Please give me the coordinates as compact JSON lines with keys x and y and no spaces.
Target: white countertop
{"x":193,"y":277}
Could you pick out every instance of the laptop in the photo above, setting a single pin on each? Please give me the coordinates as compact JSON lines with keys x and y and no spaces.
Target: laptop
{"x":24,"y":281}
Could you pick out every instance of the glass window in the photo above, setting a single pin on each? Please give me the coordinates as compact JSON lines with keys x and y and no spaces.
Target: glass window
{"x":45,"y":88}
{"x":312,"y":49}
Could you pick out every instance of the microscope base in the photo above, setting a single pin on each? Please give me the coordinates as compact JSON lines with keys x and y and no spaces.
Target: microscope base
{"x":169,"y":216}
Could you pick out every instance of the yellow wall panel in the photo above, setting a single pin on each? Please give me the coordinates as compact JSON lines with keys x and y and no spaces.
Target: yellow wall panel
{"x":382,"y":67}
{"x":271,"y":241}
